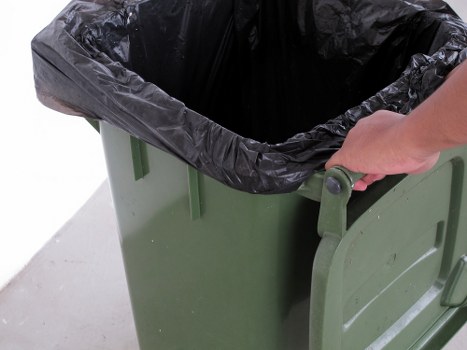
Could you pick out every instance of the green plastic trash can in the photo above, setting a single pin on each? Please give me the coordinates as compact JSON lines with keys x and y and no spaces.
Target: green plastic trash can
{"x":212,"y":268}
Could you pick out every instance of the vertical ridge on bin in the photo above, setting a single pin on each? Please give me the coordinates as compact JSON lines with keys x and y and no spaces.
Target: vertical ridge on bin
{"x":194,"y":193}
{"x":140,"y":158}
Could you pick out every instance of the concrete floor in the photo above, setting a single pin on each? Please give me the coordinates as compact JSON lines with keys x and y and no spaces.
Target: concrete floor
{"x":73,"y":294}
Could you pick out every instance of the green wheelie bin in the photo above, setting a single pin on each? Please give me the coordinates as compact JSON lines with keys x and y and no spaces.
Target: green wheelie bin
{"x":211,"y":267}
{"x":217,"y":118}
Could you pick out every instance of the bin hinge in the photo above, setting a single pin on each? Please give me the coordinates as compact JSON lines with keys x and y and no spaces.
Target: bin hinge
{"x":455,"y":290}
{"x":313,"y":187}
{"x":336,"y":191}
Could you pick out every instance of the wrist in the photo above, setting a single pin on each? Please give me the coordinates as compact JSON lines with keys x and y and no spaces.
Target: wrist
{"x":414,"y":137}
{"x":416,"y":146}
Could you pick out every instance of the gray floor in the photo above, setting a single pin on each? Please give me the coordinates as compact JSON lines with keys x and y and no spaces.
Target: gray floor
{"x":73,"y":294}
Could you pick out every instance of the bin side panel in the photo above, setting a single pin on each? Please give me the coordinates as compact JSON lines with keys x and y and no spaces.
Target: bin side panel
{"x":236,"y":276}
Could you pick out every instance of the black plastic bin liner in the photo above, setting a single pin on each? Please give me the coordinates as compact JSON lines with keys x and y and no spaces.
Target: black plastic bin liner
{"x":257,"y":94}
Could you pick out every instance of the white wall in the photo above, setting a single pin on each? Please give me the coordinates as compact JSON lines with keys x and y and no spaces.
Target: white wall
{"x":50,"y":163}
{"x":460,"y":6}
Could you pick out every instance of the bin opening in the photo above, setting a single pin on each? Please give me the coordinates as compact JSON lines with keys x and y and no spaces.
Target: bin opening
{"x":266,"y":80}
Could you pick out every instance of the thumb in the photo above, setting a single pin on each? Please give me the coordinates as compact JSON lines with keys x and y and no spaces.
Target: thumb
{"x":333,"y":161}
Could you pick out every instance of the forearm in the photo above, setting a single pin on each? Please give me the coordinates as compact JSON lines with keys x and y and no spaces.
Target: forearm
{"x":440,"y":122}
{"x":388,"y":143}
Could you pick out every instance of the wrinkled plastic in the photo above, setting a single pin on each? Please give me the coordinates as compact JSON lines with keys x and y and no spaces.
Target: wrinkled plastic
{"x":256,"y":94}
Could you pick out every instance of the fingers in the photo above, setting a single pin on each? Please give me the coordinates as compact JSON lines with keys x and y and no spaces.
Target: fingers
{"x":364,"y":182}
{"x":360,"y":186}
{"x":367,"y":180}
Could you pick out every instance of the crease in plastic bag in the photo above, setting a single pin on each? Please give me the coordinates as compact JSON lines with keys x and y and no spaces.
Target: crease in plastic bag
{"x":256,"y":94}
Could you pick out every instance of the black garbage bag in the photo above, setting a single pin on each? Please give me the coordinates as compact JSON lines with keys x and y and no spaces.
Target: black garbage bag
{"x":257,"y":94}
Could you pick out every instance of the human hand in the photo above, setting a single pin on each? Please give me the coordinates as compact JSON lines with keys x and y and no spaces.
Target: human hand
{"x":381,"y":145}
